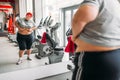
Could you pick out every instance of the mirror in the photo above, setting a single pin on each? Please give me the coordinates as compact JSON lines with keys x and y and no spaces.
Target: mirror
{"x":50,"y":37}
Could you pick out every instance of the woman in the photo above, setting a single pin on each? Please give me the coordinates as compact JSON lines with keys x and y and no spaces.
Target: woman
{"x":24,"y":36}
{"x":96,"y":32}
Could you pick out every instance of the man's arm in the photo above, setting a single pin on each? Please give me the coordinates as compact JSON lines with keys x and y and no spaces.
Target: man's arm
{"x":16,"y":24}
{"x":34,"y":28}
{"x":83,"y":16}
{"x":31,"y":29}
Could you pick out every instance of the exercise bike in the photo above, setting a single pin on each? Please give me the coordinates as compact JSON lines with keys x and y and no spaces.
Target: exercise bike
{"x":49,"y":48}
{"x":37,"y":40}
{"x":71,"y":53}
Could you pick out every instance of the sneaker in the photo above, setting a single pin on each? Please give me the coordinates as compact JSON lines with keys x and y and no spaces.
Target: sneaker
{"x":19,"y":62}
{"x":28,"y":58}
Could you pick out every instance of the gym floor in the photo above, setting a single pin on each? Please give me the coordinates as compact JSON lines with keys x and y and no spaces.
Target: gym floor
{"x":9,"y":57}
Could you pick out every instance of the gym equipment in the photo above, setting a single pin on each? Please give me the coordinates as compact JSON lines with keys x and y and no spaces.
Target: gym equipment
{"x":44,"y":49}
{"x":56,"y":56}
{"x":49,"y":49}
{"x":11,"y":36}
{"x":0,"y":26}
{"x":37,"y":40}
{"x":71,"y":54}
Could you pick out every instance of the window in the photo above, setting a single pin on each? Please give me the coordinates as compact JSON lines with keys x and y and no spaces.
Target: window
{"x":67,"y":17}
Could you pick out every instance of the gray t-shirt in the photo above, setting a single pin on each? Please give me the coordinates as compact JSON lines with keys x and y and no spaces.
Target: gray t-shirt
{"x":105,"y":29}
{"x":22,"y":22}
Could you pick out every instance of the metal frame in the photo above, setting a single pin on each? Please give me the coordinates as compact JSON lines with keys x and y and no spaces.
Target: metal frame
{"x":71,"y":8}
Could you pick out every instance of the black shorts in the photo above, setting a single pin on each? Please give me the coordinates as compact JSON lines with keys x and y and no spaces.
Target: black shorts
{"x":97,"y":65}
{"x":25,"y":41}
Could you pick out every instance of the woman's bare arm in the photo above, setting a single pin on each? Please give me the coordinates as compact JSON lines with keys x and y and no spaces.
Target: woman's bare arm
{"x":83,"y":16}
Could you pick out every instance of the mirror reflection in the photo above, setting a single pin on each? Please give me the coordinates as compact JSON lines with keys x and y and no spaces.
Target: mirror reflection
{"x":35,"y":35}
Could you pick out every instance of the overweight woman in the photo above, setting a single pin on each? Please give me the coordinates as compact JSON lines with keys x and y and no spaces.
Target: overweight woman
{"x":25,"y":35}
{"x":96,"y":32}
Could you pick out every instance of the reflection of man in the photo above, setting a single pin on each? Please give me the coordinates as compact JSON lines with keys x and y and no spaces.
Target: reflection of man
{"x":24,"y":36}
{"x":96,"y":32}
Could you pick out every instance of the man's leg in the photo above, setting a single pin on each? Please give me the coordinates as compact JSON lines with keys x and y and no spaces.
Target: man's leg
{"x":29,"y":42}
{"x":28,"y":53}
{"x":22,"y":47}
{"x":21,"y":53}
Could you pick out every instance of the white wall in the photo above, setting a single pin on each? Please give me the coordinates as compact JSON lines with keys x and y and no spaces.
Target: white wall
{"x":38,"y":10}
{"x":25,"y":6}
{"x":22,"y":7}
{"x":29,"y":5}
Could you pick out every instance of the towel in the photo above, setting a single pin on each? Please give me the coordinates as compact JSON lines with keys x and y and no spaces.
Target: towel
{"x":43,"y":40}
{"x":70,"y":46}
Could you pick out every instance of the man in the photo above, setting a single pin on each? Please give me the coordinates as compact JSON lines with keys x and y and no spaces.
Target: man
{"x":96,"y":32}
{"x":24,"y":36}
